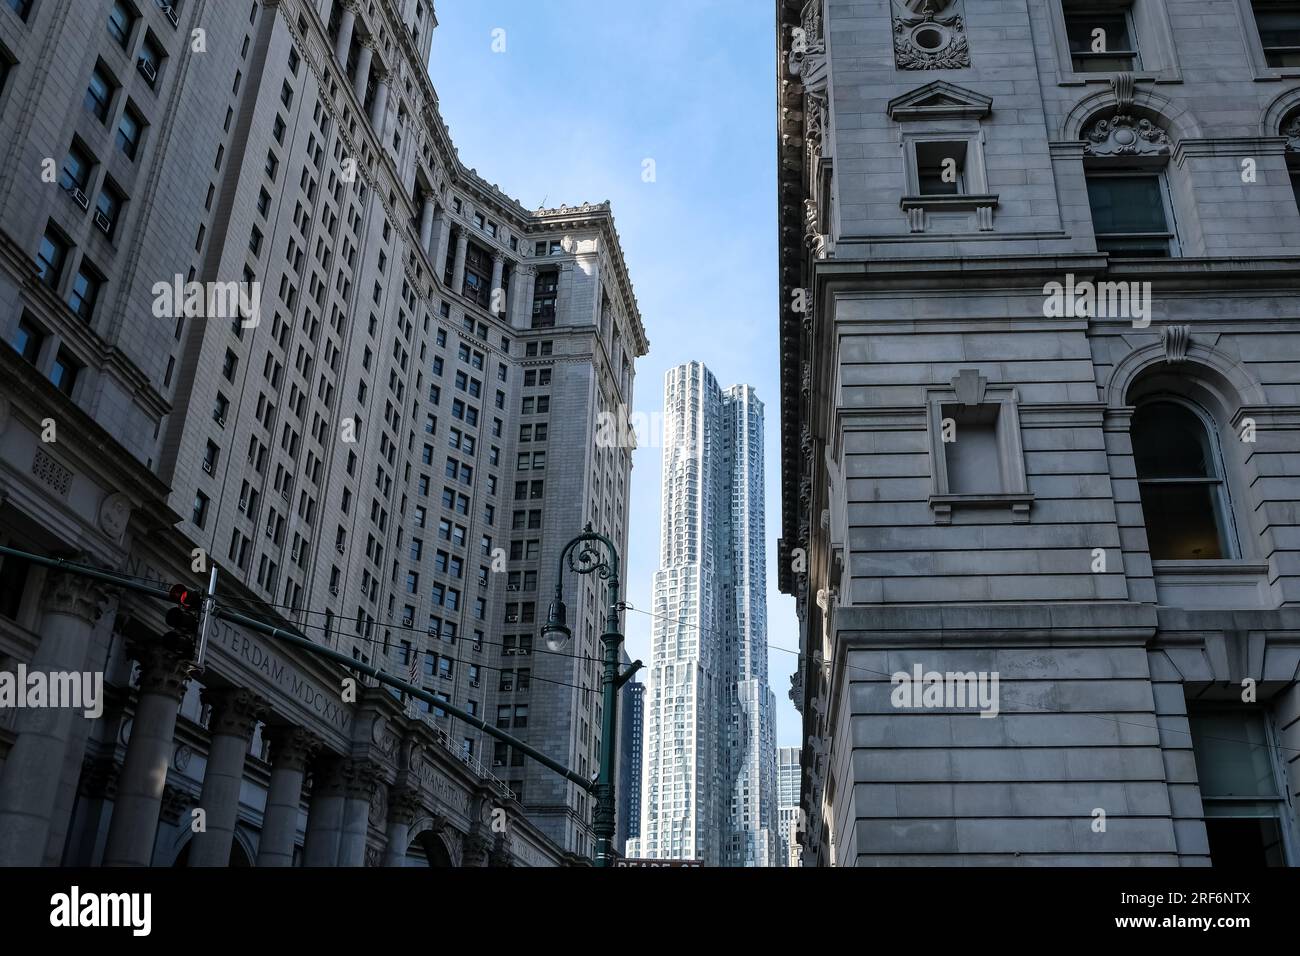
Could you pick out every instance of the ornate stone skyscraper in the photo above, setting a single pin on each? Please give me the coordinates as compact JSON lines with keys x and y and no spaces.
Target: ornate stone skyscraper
{"x":709,"y":786}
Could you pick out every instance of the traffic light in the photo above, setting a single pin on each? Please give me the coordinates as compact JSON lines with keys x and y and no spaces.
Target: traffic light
{"x":183,"y":618}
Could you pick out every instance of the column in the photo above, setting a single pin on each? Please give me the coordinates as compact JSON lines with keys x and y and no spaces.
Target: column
{"x":292,"y":749}
{"x":403,"y":807}
{"x":234,"y":717}
{"x":359,"y":791}
{"x":498,"y":272}
{"x":33,"y":770}
{"x":360,"y":82}
{"x":347,"y":19}
{"x":525,"y":285}
{"x":379,"y":109}
{"x":458,"y":275}
{"x":441,"y":240}
{"x":427,"y":211}
{"x":325,"y":815}
{"x":165,"y":670}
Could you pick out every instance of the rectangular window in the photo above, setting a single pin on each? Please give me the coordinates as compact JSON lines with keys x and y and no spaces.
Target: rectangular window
{"x":1279,"y":32}
{"x":1241,"y":786}
{"x":941,"y":168}
{"x":1130,"y":215}
{"x":121,"y":20}
{"x":29,"y":340}
{"x":99,"y":95}
{"x":51,"y":258}
{"x":85,"y":291}
{"x":129,"y":132}
{"x":1101,"y":37}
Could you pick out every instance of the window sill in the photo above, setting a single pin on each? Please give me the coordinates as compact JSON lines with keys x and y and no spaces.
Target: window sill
{"x":1019,"y":503}
{"x":1213,"y":583}
{"x":981,"y":204}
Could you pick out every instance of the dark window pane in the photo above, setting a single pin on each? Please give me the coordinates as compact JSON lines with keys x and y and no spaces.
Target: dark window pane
{"x":1181,"y":522}
{"x":1170,"y":441}
{"x":1126,"y":204}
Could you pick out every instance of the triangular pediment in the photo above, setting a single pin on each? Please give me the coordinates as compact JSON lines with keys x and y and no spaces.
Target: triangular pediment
{"x":939,"y":100}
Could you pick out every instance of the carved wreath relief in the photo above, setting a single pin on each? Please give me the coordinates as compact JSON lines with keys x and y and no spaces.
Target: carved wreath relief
{"x":930,"y":35}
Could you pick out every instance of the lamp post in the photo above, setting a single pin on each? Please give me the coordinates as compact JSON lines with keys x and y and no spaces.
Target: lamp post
{"x":593,"y":553}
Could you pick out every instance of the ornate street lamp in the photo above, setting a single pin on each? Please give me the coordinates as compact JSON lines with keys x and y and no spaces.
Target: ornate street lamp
{"x":593,"y":553}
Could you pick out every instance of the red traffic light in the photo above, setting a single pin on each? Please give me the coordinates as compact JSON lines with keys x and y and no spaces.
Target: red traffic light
{"x":186,"y":598}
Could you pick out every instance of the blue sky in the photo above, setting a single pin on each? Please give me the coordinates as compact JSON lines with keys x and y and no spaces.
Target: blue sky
{"x":586,"y":91}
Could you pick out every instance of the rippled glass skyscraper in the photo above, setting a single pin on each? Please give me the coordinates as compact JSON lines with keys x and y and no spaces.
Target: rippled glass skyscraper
{"x":709,"y":786}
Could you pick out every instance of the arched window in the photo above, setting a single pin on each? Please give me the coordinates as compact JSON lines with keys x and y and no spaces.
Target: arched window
{"x":1180,"y":475}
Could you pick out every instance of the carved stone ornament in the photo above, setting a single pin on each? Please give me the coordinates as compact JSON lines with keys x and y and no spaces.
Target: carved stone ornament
{"x":1290,"y":129}
{"x":931,"y":36}
{"x":1123,"y":135}
{"x":114,"y":513}
{"x":969,"y":385}
{"x":1176,"y":340}
{"x":808,"y":42}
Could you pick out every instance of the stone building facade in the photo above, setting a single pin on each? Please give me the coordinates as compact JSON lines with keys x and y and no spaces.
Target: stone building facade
{"x":375,"y":417}
{"x":1040,"y":426}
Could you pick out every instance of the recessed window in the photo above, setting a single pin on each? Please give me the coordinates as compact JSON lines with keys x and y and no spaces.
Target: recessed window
{"x":151,"y":59}
{"x":99,"y":94}
{"x":108,"y":208}
{"x":1241,"y":786}
{"x":21,"y":7}
{"x":129,"y":132}
{"x":65,"y":371}
{"x":28,"y":341}
{"x":1131,"y":215}
{"x":1101,"y":37}
{"x":76,"y":169}
{"x":51,"y":258}
{"x":941,"y":168}
{"x":200,"y":512}
{"x":973,"y":458}
{"x":121,"y":21}
{"x":85,"y":291}
{"x":1279,"y":32}
{"x":1180,"y":478}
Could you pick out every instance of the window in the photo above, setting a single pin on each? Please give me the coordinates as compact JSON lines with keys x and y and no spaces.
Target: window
{"x":1131,"y":216}
{"x":1241,"y":786}
{"x":108,"y":208}
{"x":151,"y":59}
{"x":129,"y":132}
{"x":65,"y":371}
{"x":21,"y":7}
{"x":121,"y":20}
{"x":1101,"y":38}
{"x":85,"y":291}
{"x":76,"y":169}
{"x":28,"y":341}
{"x":940,"y":168}
{"x":200,"y":513}
{"x":1279,"y":32}
{"x":1180,"y":477}
{"x":976,"y":450}
{"x":99,"y":95}
{"x":51,"y":258}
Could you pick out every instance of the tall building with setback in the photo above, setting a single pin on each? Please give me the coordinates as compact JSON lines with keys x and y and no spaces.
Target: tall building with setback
{"x":375,"y":417}
{"x":710,"y":762}
{"x":787,"y":803}
{"x":1039,"y":421}
{"x":631,"y":732}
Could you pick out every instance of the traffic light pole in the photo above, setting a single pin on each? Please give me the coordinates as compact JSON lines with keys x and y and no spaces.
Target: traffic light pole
{"x":311,"y":647}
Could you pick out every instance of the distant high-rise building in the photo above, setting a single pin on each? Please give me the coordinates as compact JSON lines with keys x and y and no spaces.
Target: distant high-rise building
{"x":787,"y":803}
{"x":630,"y":729}
{"x":710,"y":767}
